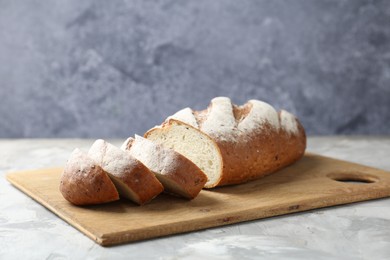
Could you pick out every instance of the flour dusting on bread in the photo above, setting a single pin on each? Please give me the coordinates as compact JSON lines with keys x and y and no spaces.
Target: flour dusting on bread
{"x":288,"y":122}
{"x":220,"y":119}
{"x":185,"y":115}
{"x":259,"y":114}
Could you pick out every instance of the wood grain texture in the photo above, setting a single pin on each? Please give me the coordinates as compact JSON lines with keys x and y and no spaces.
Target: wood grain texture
{"x":308,"y":184}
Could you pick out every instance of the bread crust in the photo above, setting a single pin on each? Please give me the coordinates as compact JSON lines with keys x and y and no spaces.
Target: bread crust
{"x":254,"y":140}
{"x":123,"y":166}
{"x":258,"y":154}
{"x":185,"y":178}
{"x":83,"y":182}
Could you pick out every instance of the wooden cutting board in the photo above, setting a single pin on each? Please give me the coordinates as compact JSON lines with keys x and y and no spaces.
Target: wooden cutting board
{"x":313,"y":182}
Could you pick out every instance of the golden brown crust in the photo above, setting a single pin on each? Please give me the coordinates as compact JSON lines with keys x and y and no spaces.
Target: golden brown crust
{"x":255,"y":154}
{"x":259,"y":154}
{"x":83,"y":182}
{"x":123,"y":166}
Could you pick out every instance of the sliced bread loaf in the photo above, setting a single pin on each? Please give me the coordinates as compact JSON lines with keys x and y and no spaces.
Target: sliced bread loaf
{"x":233,"y":144}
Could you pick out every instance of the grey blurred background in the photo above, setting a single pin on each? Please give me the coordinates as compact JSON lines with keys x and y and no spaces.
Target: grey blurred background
{"x":72,"y":68}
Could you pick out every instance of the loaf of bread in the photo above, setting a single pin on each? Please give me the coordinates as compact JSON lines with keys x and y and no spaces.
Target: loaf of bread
{"x":83,"y":182}
{"x":132,"y":179}
{"x":233,"y":144}
{"x":178,"y":175}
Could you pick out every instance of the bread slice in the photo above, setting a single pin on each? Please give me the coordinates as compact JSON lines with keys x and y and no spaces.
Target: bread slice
{"x":233,"y":144}
{"x":178,"y":174}
{"x":193,"y":144}
{"x":133,"y":180}
{"x":83,"y":182}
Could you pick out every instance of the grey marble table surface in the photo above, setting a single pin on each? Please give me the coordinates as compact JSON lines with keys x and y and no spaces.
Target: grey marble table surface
{"x":355,"y":231}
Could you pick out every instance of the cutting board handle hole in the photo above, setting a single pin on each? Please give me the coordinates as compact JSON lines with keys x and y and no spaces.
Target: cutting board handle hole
{"x":353,"y":177}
